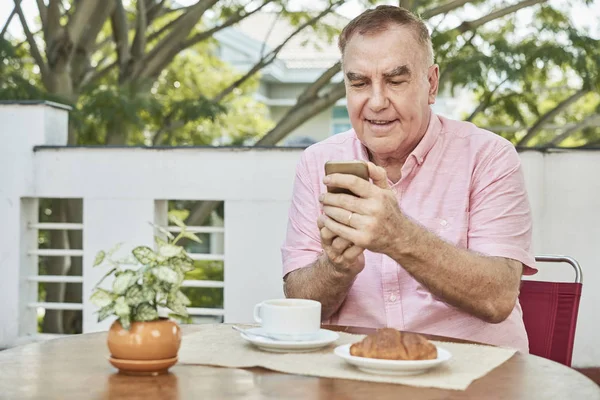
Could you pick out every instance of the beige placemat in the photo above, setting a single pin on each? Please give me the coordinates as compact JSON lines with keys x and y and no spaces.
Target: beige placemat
{"x":220,"y":345}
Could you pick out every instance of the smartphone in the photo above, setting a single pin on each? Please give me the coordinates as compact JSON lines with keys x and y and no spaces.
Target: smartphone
{"x":352,"y":167}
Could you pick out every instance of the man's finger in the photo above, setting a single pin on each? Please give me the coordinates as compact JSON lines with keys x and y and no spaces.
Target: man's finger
{"x":340,"y":245}
{"x":342,"y":216}
{"x":356,"y":185}
{"x":327,"y":236}
{"x":378,"y":176}
{"x":352,"y":252}
{"x":342,"y":230}
{"x":342,"y":200}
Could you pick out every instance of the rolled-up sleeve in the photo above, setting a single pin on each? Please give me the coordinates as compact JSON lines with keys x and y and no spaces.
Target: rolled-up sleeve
{"x":500,"y":222}
{"x":302,"y":243}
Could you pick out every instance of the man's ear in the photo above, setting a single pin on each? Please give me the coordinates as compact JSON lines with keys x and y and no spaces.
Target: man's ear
{"x":433,"y":77}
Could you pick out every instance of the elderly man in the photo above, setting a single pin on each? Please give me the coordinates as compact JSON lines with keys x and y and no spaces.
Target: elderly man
{"x":437,"y":240}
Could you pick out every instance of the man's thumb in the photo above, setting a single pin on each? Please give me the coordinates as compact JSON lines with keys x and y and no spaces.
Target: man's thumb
{"x":378,"y":175}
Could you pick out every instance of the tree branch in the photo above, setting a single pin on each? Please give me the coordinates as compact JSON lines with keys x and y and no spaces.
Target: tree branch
{"x":43,"y":10}
{"x":139,"y":42}
{"x":301,"y":113}
{"x":486,"y":101}
{"x":585,"y":123}
{"x":154,"y":11}
{"x":10,"y":17}
{"x":99,"y":74}
{"x":85,"y":11}
{"x":470,"y":25}
{"x":443,"y":9}
{"x":164,"y":51}
{"x":550,"y":115}
{"x":314,"y":88}
{"x":120,"y":32}
{"x":269,"y":58}
{"x":408,"y":4}
{"x":35,"y":51}
{"x":53,"y":21}
{"x":237,"y":17}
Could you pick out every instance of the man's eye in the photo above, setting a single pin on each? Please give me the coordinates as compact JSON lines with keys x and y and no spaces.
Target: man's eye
{"x":397,"y":83}
{"x":358,"y":85}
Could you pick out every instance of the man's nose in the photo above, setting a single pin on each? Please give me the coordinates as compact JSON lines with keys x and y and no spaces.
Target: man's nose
{"x":378,"y":100}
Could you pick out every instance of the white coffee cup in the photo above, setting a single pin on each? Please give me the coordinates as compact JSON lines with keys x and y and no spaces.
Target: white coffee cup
{"x":289,"y":319}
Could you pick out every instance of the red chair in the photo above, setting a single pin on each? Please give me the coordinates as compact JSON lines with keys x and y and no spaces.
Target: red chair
{"x":550,"y":313}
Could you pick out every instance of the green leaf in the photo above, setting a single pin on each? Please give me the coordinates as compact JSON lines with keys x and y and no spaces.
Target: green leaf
{"x":123,"y":282}
{"x":170,"y":250}
{"x":191,"y":236}
{"x":163,"y":231}
{"x":115,"y":249}
{"x":144,"y":255}
{"x":105,"y":276}
{"x":183,"y":264}
{"x":145,"y":312}
{"x":159,"y":242}
{"x":122,"y":310}
{"x":148,"y":294}
{"x":165,"y":274}
{"x":101,"y":298}
{"x":134,"y":295}
{"x":177,"y":221}
{"x":182,"y":298}
{"x":125,"y":321}
{"x":99,"y":258}
{"x":186,"y":265}
{"x":176,"y":306}
{"x":106,"y":312}
{"x":181,"y":215}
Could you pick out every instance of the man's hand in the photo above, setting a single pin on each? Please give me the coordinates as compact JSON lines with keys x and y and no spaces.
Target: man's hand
{"x":372,"y":220}
{"x":345,"y":257}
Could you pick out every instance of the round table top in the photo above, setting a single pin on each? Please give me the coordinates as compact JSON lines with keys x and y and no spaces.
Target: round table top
{"x":77,"y":368}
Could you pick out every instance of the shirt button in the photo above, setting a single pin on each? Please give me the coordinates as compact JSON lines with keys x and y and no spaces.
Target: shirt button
{"x":393,"y":298}
{"x":443,"y":222}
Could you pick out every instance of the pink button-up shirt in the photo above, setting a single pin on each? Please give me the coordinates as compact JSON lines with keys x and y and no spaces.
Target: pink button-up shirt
{"x":464,"y":184}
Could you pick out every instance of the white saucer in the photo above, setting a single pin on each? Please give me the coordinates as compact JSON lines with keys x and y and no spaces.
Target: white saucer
{"x":322,"y":339}
{"x":392,"y":367}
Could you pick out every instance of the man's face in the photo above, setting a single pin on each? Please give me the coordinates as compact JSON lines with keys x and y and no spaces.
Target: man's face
{"x":389,"y":88}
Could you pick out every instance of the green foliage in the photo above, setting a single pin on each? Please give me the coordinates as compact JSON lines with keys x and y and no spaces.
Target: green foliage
{"x":143,"y":283}
{"x":18,"y":81}
{"x":519,"y":77}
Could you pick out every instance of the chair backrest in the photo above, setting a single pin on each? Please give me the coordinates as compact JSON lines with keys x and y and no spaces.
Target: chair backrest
{"x":550,"y":313}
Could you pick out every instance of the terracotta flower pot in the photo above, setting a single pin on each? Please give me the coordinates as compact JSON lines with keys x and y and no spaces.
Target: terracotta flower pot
{"x":147,"y":348}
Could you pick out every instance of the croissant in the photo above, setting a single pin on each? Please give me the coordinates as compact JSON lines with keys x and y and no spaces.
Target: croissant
{"x":390,"y":344}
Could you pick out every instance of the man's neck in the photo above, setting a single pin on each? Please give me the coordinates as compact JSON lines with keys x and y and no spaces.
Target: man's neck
{"x":392,"y":165}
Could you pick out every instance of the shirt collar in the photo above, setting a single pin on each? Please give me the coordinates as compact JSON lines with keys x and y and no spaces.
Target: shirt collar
{"x":431,"y":135}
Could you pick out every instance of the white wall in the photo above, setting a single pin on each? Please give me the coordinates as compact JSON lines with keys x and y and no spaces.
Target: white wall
{"x":120,"y":188}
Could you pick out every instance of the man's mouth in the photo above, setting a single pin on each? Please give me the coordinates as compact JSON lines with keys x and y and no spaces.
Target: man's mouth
{"x":381,"y":122}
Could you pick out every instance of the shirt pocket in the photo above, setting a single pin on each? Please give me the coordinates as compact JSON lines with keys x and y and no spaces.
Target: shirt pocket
{"x":453,"y":229}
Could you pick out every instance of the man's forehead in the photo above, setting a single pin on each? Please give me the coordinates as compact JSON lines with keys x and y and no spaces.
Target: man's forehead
{"x":389,"y":48}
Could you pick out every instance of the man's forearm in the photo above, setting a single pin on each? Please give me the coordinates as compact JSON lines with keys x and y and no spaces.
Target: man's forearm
{"x":319,"y":281}
{"x":486,"y":287}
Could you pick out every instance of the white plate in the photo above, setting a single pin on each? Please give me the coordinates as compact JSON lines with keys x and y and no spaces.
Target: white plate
{"x":391,"y":367}
{"x":323,"y":338}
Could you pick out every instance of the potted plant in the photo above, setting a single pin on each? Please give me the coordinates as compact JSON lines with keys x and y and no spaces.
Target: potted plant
{"x":146,"y":284}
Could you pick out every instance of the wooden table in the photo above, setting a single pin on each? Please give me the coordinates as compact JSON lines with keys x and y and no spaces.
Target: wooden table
{"x":76,"y":368}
